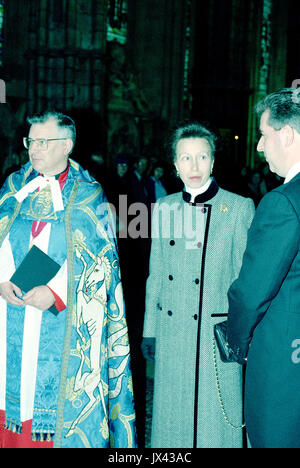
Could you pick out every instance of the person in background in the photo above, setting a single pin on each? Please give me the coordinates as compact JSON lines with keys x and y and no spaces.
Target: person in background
{"x":65,"y":378}
{"x":96,"y":167}
{"x":264,"y":302}
{"x":198,"y":240}
{"x":137,"y":182}
{"x":119,"y":181}
{"x":122,"y":165}
{"x":254,"y":186}
{"x":118,"y":194}
{"x":154,"y":185}
{"x":269,"y":180}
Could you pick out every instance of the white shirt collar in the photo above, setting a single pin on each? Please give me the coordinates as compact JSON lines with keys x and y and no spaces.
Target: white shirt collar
{"x":197,"y":191}
{"x":294,"y":170}
{"x":40,"y":182}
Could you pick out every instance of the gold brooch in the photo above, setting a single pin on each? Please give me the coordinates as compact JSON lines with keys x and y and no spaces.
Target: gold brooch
{"x":224,"y":208}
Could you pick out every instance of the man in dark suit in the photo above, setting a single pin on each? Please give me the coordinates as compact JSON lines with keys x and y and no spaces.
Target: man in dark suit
{"x":264,"y":302}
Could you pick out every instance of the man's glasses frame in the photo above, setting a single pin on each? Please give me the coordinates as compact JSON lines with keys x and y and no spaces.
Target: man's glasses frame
{"x":41,"y":142}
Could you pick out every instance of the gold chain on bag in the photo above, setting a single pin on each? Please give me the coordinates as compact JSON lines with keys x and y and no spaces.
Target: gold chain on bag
{"x":219,"y":390}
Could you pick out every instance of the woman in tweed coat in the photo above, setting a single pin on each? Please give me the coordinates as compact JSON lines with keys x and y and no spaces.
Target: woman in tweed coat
{"x":198,"y":240}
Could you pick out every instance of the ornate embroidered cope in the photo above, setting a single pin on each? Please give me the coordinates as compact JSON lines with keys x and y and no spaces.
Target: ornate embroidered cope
{"x":83,"y":395}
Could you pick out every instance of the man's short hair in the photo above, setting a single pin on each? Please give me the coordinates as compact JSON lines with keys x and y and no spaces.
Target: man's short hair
{"x":191,"y":129}
{"x":284,"y":107}
{"x":65,"y":123}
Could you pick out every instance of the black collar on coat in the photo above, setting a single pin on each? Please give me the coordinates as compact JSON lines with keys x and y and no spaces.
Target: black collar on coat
{"x":203,"y":197}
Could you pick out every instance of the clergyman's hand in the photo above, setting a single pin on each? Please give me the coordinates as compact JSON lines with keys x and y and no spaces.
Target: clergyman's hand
{"x":9,"y":292}
{"x":40,"y":297}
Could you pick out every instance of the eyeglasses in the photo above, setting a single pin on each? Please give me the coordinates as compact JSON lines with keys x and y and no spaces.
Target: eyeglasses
{"x":42,"y":143}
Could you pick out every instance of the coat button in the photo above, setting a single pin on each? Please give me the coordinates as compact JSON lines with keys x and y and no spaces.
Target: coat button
{"x":197,"y":281}
{"x":199,"y":245}
{"x":170,"y":313}
{"x":204,"y":210}
{"x":172,"y":243}
{"x":171,"y":278}
{"x":195,"y":317}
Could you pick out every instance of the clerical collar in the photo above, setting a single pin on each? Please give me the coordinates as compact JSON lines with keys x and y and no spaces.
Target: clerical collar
{"x":61,"y":175}
{"x":203,"y":197}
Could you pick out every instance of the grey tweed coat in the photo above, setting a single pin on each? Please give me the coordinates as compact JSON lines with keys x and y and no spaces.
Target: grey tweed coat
{"x":196,"y":254}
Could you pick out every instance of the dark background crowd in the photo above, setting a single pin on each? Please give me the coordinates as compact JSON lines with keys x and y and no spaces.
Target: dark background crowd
{"x":142,"y":177}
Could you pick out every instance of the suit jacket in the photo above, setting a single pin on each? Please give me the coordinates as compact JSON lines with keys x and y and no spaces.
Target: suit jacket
{"x":264,"y":320}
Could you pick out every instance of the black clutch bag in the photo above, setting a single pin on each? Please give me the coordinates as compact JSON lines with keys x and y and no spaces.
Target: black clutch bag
{"x":226,"y":353}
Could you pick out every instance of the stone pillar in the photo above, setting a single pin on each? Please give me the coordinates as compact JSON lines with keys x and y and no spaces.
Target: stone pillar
{"x":259,"y":75}
{"x":268,"y":71}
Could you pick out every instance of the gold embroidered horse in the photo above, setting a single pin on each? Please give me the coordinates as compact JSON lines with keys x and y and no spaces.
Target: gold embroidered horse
{"x":90,"y":311}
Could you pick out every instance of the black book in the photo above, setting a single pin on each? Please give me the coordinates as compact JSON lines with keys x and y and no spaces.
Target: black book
{"x":36,"y":269}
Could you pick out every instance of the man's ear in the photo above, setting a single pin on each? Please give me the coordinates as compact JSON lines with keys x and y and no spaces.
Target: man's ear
{"x":287,"y":135}
{"x":68,"y":146}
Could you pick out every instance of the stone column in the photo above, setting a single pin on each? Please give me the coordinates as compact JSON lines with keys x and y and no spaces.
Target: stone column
{"x":268,"y":72}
